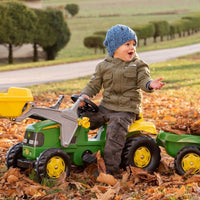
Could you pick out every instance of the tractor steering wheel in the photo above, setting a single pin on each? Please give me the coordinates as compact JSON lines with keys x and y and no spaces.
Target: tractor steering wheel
{"x":89,"y":105}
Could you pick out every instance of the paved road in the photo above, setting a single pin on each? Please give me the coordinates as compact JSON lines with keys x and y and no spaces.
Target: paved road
{"x":28,"y":77}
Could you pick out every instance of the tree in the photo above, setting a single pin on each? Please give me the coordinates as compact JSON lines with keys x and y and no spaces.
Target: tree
{"x":44,"y":34}
{"x":17,"y":25}
{"x":72,"y":9}
{"x":62,"y":33}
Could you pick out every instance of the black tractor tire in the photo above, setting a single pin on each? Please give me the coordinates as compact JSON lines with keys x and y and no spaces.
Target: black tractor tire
{"x":142,"y":152}
{"x":13,"y":154}
{"x":188,"y":157}
{"x":52,"y":163}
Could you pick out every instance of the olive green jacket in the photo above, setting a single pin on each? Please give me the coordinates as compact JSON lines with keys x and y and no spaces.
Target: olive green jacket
{"x":121,"y":82}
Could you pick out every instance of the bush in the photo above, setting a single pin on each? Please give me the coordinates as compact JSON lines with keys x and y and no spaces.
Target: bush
{"x":175,"y":27}
{"x":72,"y":9}
{"x":161,"y":29}
{"x":94,"y":41}
{"x":195,"y":21}
{"x":144,"y":31}
{"x":102,"y":33}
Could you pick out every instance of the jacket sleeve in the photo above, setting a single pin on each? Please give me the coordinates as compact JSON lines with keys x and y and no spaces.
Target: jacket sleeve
{"x":144,"y":77}
{"x":95,"y":84}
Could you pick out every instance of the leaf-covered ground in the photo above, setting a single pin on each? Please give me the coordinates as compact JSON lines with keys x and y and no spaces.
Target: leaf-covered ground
{"x":169,"y":110}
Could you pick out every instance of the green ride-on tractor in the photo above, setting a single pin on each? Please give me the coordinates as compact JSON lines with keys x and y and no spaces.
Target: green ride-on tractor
{"x":60,"y":139}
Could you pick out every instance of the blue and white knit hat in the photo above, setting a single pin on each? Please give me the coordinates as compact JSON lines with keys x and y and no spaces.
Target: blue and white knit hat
{"x":118,"y":35}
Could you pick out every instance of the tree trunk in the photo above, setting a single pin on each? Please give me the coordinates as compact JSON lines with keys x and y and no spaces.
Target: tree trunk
{"x":35,"y":53}
{"x":154,"y":39}
{"x":10,"y":54}
{"x":50,"y":54}
{"x":145,"y":42}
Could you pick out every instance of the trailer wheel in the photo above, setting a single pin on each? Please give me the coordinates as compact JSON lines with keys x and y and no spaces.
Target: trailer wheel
{"x":13,"y":154}
{"x":142,"y":152}
{"x":52,"y":163}
{"x":186,"y":159}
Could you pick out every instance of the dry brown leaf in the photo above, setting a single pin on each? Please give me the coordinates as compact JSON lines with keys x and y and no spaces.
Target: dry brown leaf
{"x":100,"y":163}
{"x":125,"y":177}
{"x":177,"y":178}
{"x":12,"y":179}
{"x":161,"y":108}
{"x":141,"y":175}
{"x":111,"y":192}
{"x":159,"y":179}
{"x":163,"y":168}
{"x":62,"y":197}
{"x":98,"y":192}
{"x":61,"y":179}
{"x":32,"y":190}
{"x":181,"y":191}
{"x":178,"y":132}
{"x":107,"y":179}
{"x":195,"y":178}
{"x":11,"y":171}
{"x":169,"y":118}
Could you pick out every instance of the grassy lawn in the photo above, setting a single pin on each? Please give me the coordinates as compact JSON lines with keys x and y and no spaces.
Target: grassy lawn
{"x":188,"y":67}
{"x":96,"y":15}
{"x":126,"y":7}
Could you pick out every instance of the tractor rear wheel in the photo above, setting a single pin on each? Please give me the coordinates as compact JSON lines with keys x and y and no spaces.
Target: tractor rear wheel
{"x":142,"y":152}
{"x":52,"y":163}
{"x":187,"y":158}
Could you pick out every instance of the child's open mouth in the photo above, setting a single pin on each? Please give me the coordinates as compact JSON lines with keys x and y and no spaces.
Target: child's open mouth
{"x":130,"y":53}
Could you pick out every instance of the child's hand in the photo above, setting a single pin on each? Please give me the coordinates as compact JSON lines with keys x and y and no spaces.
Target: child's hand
{"x":82,"y":103}
{"x":157,"y":84}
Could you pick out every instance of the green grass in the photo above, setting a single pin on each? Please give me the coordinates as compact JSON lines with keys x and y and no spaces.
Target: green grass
{"x":170,"y":71}
{"x":63,"y":87}
{"x":29,"y":64}
{"x":97,"y":15}
{"x":126,"y":7}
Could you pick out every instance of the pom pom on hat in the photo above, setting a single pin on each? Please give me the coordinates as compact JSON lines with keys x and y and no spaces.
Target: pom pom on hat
{"x":118,"y":35}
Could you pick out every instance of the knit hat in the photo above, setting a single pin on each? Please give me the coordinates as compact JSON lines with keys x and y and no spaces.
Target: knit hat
{"x":118,"y":35}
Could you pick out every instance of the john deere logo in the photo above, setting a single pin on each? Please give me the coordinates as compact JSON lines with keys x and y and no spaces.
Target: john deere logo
{"x":27,"y":151}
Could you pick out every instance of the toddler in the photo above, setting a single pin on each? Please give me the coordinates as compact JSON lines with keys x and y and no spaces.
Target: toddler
{"x":122,"y":76}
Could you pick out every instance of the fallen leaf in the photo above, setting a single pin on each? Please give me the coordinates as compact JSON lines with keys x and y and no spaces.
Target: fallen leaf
{"x":100,"y":163}
{"x":106,"y":178}
{"x":12,"y":179}
{"x":111,"y":192}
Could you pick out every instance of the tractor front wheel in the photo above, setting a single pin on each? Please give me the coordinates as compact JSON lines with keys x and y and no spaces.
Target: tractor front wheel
{"x":13,"y":154}
{"x":187,"y":158}
{"x":142,"y":152}
{"x":52,"y":163}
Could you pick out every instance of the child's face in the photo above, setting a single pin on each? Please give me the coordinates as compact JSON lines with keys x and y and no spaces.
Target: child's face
{"x":126,"y":51}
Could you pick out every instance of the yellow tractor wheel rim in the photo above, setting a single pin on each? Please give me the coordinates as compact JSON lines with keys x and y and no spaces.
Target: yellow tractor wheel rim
{"x":142,"y":157}
{"x":191,"y":160}
{"x":55,"y":167}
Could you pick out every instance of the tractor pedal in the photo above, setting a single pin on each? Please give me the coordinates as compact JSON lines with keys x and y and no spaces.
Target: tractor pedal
{"x":88,"y":158}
